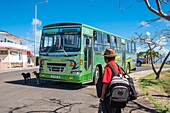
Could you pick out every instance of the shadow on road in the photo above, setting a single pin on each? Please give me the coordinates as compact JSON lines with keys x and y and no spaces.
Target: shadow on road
{"x":141,"y":107}
{"x":49,"y":84}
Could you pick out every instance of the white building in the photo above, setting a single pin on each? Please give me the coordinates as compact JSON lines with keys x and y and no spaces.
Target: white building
{"x":12,"y":52}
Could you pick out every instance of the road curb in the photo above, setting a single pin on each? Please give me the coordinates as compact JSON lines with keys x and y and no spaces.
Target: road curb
{"x":17,"y":69}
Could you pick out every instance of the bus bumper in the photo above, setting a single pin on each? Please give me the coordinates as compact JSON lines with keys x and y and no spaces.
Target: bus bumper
{"x":63,"y":78}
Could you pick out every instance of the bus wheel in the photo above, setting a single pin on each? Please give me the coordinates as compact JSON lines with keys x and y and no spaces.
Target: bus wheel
{"x":128,"y":68}
{"x":96,"y":75}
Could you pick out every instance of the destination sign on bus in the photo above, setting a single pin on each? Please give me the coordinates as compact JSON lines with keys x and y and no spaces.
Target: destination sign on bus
{"x":70,"y":30}
{"x":50,"y":31}
{"x":62,"y":30}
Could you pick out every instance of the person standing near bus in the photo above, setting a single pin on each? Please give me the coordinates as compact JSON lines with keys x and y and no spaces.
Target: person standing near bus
{"x":109,"y":57}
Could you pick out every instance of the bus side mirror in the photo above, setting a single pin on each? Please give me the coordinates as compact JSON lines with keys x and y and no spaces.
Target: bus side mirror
{"x":87,"y":41}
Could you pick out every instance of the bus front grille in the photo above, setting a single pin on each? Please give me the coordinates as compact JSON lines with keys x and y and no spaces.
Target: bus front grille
{"x":56,"y":67}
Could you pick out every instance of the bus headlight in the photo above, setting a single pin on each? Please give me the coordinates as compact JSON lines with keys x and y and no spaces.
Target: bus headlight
{"x":75,"y":72}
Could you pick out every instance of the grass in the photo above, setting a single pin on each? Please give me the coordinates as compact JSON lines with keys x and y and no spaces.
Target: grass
{"x":154,"y":65}
{"x":157,"y":91}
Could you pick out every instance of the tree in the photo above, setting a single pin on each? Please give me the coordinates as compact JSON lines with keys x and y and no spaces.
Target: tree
{"x":152,"y":43}
{"x":159,"y":11}
{"x":146,"y":54}
{"x":141,"y":54}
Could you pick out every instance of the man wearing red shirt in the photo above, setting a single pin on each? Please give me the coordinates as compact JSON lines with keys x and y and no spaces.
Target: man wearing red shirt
{"x":109,"y":57}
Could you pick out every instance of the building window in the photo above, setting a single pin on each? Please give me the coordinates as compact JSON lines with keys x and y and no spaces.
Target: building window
{"x":14,"y":52}
{"x":9,"y":41}
{"x":20,"y":55}
{"x":3,"y":52}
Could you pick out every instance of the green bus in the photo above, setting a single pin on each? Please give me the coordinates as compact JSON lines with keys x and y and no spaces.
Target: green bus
{"x":73,"y":52}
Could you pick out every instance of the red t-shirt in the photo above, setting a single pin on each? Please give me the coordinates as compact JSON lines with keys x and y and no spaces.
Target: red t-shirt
{"x":107,"y":76}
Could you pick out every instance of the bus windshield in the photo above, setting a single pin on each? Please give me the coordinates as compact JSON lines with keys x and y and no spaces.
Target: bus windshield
{"x":60,"y":39}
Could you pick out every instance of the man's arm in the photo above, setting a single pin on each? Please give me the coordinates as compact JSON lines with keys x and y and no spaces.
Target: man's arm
{"x":105,"y":85}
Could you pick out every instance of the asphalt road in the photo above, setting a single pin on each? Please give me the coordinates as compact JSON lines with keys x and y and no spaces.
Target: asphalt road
{"x":143,"y":68}
{"x":49,"y":97}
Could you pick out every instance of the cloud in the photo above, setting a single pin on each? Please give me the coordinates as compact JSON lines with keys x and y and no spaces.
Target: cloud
{"x":30,"y":37}
{"x":30,"y":44}
{"x":38,"y":22}
{"x":162,"y":41}
{"x":162,"y":51}
{"x":144,"y":23}
{"x":148,"y":33}
{"x":166,"y":22}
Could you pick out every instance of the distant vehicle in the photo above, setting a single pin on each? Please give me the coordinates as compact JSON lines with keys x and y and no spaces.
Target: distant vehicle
{"x":140,"y":61}
{"x":168,"y":62}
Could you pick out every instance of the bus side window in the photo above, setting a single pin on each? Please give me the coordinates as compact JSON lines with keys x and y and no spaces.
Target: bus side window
{"x":98,"y":42}
{"x":106,"y":43}
{"x":119,"y":47}
{"x":130,"y":47}
{"x":127,"y":47}
{"x":114,"y":43}
{"x":133,"y":47}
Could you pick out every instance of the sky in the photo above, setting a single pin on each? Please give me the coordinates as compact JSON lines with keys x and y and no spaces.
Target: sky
{"x":120,"y":17}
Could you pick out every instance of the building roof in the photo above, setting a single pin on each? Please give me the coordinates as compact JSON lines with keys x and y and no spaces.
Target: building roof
{"x":11,"y":36}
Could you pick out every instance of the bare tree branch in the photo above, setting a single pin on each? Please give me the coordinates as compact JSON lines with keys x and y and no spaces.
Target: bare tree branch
{"x":158,"y":12}
{"x":152,"y":43}
{"x":159,"y":7}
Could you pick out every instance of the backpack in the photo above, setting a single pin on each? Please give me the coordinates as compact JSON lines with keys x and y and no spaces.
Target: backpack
{"x":133,"y":93}
{"x":118,"y":90}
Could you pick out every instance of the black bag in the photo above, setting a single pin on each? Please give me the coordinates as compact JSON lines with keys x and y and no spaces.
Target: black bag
{"x":118,"y":90}
{"x":99,"y":86}
{"x":133,"y":93}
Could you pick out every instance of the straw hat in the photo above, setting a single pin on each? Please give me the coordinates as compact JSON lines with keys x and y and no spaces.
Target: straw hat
{"x":109,"y":52}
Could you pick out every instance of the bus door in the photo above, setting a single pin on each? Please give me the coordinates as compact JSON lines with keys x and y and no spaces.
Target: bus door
{"x":123,"y":54}
{"x":88,"y":56}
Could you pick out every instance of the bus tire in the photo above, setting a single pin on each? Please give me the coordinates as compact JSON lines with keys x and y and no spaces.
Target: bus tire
{"x":128,"y":68}
{"x":96,"y":75}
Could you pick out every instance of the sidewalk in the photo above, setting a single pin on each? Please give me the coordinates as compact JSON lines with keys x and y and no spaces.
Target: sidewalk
{"x":142,"y":104}
{"x":16,"y":69}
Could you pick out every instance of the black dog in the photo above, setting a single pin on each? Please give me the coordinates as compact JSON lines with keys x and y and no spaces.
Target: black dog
{"x":27,"y":77}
